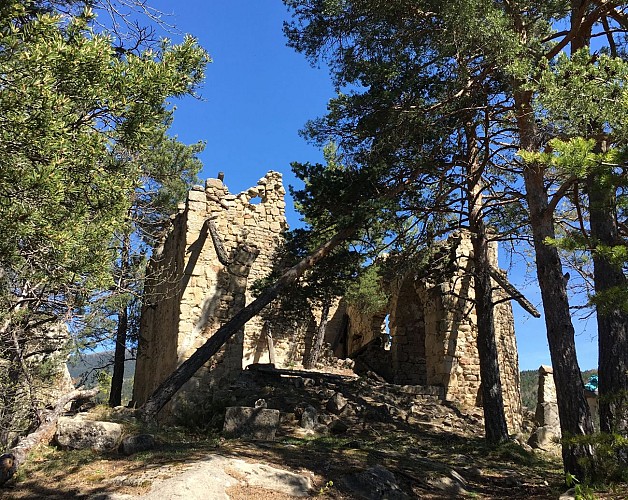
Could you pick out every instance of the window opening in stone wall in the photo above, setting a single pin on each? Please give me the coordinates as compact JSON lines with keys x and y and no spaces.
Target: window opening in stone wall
{"x":386,"y":333}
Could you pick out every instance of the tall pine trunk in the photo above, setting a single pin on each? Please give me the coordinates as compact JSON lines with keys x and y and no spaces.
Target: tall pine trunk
{"x":612,"y":322}
{"x":119,"y":356}
{"x":495,"y":426}
{"x":573,"y":410}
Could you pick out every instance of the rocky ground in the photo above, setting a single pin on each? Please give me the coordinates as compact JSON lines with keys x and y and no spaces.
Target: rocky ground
{"x":339,"y":437}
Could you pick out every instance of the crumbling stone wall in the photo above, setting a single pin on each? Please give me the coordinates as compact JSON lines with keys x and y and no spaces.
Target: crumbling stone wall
{"x":219,"y":243}
{"x":433,"y":330}
{"x":194,"y":287}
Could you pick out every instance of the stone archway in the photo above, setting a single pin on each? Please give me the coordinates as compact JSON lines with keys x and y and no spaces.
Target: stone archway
{"x":407,"y":329}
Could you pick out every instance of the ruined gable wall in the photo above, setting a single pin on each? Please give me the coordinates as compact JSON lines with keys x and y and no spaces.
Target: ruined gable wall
{"x":157,"y":345}
{"x":433,"y":324}
{"x":200,"y":293}
{"x":451,"y":334}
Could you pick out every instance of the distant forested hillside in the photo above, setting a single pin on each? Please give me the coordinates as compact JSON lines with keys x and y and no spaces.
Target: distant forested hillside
{"x":530,"y":386}
{"x":96,"y":368}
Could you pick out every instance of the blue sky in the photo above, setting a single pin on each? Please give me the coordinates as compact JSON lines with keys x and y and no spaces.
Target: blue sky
{"x":257,"y":96}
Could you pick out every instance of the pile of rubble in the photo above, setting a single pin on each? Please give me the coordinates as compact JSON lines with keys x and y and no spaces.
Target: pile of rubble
{"x":266,"y":401}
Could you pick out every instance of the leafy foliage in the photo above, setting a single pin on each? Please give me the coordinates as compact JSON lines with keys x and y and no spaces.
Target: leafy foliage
{"x":77,"y":118}
{"x":367,"y":292}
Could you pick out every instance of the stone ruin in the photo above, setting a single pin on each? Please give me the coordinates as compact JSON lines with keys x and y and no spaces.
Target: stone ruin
{"x":547,"y":434}
{"x":219,"y":244}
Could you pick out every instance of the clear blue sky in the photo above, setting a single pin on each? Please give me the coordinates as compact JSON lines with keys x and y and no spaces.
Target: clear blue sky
{"x":257,"y":96}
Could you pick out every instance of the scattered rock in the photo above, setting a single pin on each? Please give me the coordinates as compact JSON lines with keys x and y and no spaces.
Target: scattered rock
{"x":448,"y":485}
{"x":472,"y":472}
{"x":336,"y":403}
{"x":79,"y":433}
{"x":251,"y":423}
{"x":309,"y":418}
{"x":338,"y":426}
{"x":137,"y":443}
{"x":376,"y":483}
{"x":325,"y":419}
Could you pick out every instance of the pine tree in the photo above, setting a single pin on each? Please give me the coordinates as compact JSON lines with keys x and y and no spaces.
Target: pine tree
{"x":70,"y":109}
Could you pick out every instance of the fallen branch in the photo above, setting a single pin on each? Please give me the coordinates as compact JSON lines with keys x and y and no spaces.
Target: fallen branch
{"x":168,"y":388}
{"x":10,"y":462}
{"x":189,"y":367}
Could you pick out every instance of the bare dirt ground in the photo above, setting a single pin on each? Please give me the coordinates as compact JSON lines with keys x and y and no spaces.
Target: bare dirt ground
{"x":428,"y":451}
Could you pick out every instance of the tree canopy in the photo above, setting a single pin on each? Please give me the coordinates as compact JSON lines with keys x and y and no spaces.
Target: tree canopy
{"x":464,"y":97}
{"x":80,"y":126}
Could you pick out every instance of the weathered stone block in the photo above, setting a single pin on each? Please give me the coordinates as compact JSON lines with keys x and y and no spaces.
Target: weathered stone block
{"x":214,"y":183}
{"x":79,"y":433}
{"x":251,"y":423}
{"x":309,"y":418}
{"x":547,"y":414}
{"x":137,"y":443}
{"x":197,"y":196}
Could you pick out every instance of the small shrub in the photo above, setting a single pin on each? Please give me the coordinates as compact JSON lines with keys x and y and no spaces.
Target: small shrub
{"x":581,"y":491}
{"x":610,"y":457}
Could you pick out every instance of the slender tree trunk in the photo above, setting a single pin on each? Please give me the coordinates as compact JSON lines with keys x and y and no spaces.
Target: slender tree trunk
{"x":189,"y":367}
{"x":495,"y":426}
{"x":119,"y":356}
{"x":573,"y":410}
{"x":319,"y":337}
{"x":612,"y":322}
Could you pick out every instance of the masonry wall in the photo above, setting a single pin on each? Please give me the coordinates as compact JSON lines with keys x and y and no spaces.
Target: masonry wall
{"x":192,"y":290}
{"x":433,"y":331}
{"x":192,"y":293}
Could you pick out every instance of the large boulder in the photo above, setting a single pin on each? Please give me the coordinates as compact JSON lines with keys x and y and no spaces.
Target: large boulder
{"x":80,"y":433}
{"x":251,"y":423}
